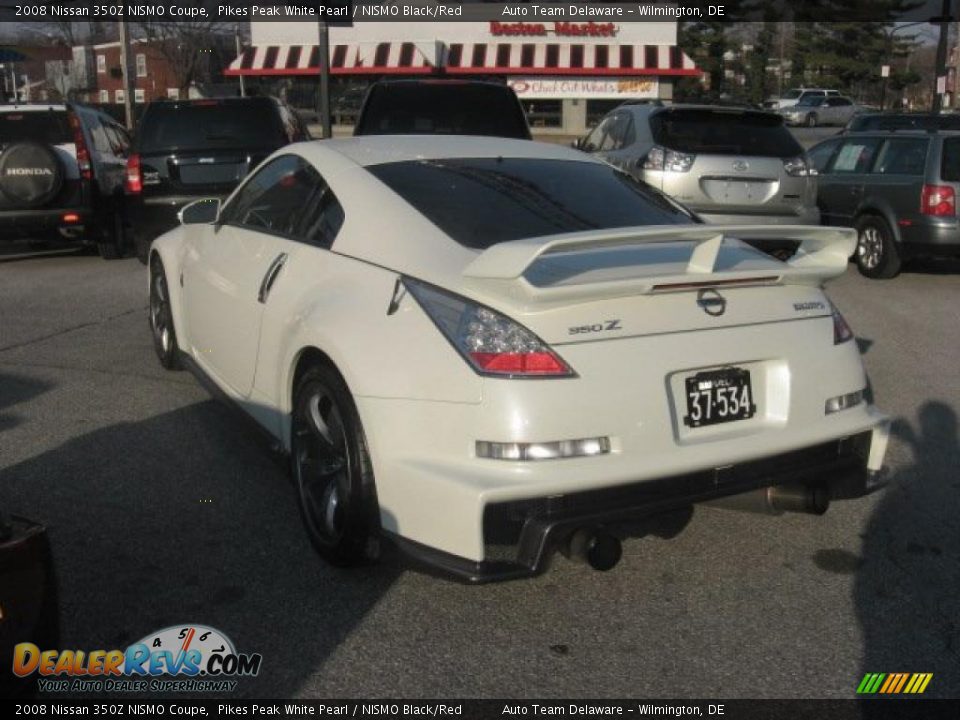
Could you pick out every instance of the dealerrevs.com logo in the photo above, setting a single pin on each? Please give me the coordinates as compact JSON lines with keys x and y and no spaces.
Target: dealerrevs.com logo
{"x":180,"y":658}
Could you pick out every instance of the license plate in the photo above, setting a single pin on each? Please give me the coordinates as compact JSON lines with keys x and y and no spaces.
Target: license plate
{"x":719,"y":396}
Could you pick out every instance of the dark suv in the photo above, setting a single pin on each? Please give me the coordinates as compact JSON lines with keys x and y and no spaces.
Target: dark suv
{"x":898,"y":188}
{"x":61,"y":175}
{"x":193,"y":149}
{"x":442,"y":107}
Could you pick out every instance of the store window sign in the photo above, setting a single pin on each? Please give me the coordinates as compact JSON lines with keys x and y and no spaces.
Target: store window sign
{"x":560,"y":29}
{"x":588,"y":88}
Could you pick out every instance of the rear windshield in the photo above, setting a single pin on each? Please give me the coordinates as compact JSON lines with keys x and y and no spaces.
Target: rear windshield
{"x":209,"y":125}
{"x":724,"y":133}
{"x":49,"y":128}
{"x":950,"y":165}
{"x":442,"y":109}
{"x":480,"y":202}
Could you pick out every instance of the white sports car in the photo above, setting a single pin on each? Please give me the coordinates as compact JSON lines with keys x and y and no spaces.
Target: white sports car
{"x":486,"y":350}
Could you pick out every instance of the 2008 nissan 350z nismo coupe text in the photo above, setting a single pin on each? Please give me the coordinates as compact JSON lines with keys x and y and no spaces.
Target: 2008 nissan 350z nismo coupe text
{"x":487,"y":350}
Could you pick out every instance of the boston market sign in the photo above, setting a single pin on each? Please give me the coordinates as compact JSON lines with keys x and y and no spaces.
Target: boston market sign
{"x":563,"y":29}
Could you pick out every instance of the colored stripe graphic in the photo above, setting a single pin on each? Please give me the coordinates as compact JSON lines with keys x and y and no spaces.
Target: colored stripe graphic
{"x":894,"y":683}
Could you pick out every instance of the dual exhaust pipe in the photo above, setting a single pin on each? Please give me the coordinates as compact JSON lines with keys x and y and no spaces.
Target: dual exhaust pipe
{"x":777,"y":500}
{"x":602,"y":551}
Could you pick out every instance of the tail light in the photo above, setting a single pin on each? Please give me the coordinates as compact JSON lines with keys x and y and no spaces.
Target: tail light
{"x":83,"y":153}
{"x":798,"y":167}
{"x":134,"y":182}
{"x":841,"y":329}
{"x":491,"y":343}
{"x":938,"y":200}
{"x":670,"y":160}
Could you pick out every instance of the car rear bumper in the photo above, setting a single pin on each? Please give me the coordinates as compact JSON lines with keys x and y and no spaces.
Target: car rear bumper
{"x":803,"y":216}
{"x":520,"y":536}
{"x":931,"y":238}
{"x":150,"y":217}
{"x":18,"y":224}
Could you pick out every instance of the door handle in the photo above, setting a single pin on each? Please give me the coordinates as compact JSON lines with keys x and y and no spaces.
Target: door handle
{"x":275,"y":267}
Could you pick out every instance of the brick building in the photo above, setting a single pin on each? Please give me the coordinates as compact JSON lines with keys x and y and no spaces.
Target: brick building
{"x":151,"y":76}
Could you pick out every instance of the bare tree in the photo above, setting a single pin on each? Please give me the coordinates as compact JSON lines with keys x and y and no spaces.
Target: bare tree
{"x":186,"y":46}
{"x":68,"y":33}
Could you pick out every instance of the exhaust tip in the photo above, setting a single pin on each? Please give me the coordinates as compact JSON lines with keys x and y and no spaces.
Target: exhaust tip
{"x":600,"y":550}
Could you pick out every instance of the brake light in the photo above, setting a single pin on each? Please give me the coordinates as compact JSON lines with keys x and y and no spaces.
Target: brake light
{"x":660,"y":158}
{"x":938,"y":200}
{"x":83,"y":153}
{"x":798,"y":167}
{"x":491,"y":343}
{"x":841,"y":329}
{"x":134,"y":182}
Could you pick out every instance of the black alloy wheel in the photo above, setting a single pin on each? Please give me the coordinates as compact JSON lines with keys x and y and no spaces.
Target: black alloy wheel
{"x":332,"y":470}
{"x":161,"y":318}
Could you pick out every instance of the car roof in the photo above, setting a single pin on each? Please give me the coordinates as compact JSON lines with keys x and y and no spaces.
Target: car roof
{"x":368,"y":150}
{"x":725,"y":109}
{"x":33,"y":107}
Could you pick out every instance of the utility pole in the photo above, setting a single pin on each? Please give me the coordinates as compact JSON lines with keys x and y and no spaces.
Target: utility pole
{"x":323,"y":102}
{"x":243,"y":90}
{"x":125,"y":71}
{"x":941,"y":70}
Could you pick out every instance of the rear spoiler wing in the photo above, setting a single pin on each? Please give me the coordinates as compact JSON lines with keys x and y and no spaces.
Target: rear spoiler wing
{"x":823,"y":253}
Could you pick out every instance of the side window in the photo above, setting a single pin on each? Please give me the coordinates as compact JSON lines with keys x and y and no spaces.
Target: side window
{"x":324,"y":217}
{"x":595,"y":138}
{"x":123,"y":138}
{"x":100,"y":140}
{"x":629,"y":134}
{"x":273,"y":198}
{"x":821,"y":154}
{"x":615,"y":133}
{"x":902,"y":156}
{"x":854,"y":156}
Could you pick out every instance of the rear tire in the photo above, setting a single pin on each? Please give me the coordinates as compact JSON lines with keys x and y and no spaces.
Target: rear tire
{"x":161,"y":318}
{"x":114,"y":244}
{"x":877,"y":256}
{"x":332,"y":470}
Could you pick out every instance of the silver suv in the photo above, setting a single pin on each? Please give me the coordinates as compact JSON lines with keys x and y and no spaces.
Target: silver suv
{"x":729,"y":165}
{"x":898,"y":188}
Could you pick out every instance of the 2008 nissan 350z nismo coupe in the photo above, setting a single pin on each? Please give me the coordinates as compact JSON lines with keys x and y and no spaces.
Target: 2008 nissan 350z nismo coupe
{"x":487,"y":350}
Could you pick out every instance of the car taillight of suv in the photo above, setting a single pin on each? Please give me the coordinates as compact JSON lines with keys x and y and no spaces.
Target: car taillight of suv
{"x":83,"y":152}
{"x":133,"y":184}
{"x":938,"y":200}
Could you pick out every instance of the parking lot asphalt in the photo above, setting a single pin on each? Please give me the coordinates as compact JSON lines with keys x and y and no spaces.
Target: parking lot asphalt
{"x":163,"y":509}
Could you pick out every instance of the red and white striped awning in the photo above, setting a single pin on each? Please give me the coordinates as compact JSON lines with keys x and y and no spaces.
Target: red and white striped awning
{"x":518,"y":58}
{"x":387,"y":58}
{"x":508,"y":58}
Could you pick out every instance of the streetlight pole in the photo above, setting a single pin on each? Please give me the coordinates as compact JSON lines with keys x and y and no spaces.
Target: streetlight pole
{"x":323,"y":101}
{"x":125,"y":72}
{"x":941,"y":70}
{"x":890,"y":34}
{"x":243,"y":90}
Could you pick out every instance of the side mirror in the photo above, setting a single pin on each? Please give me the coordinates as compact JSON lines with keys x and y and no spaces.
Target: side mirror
{"x":200,"y":212}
